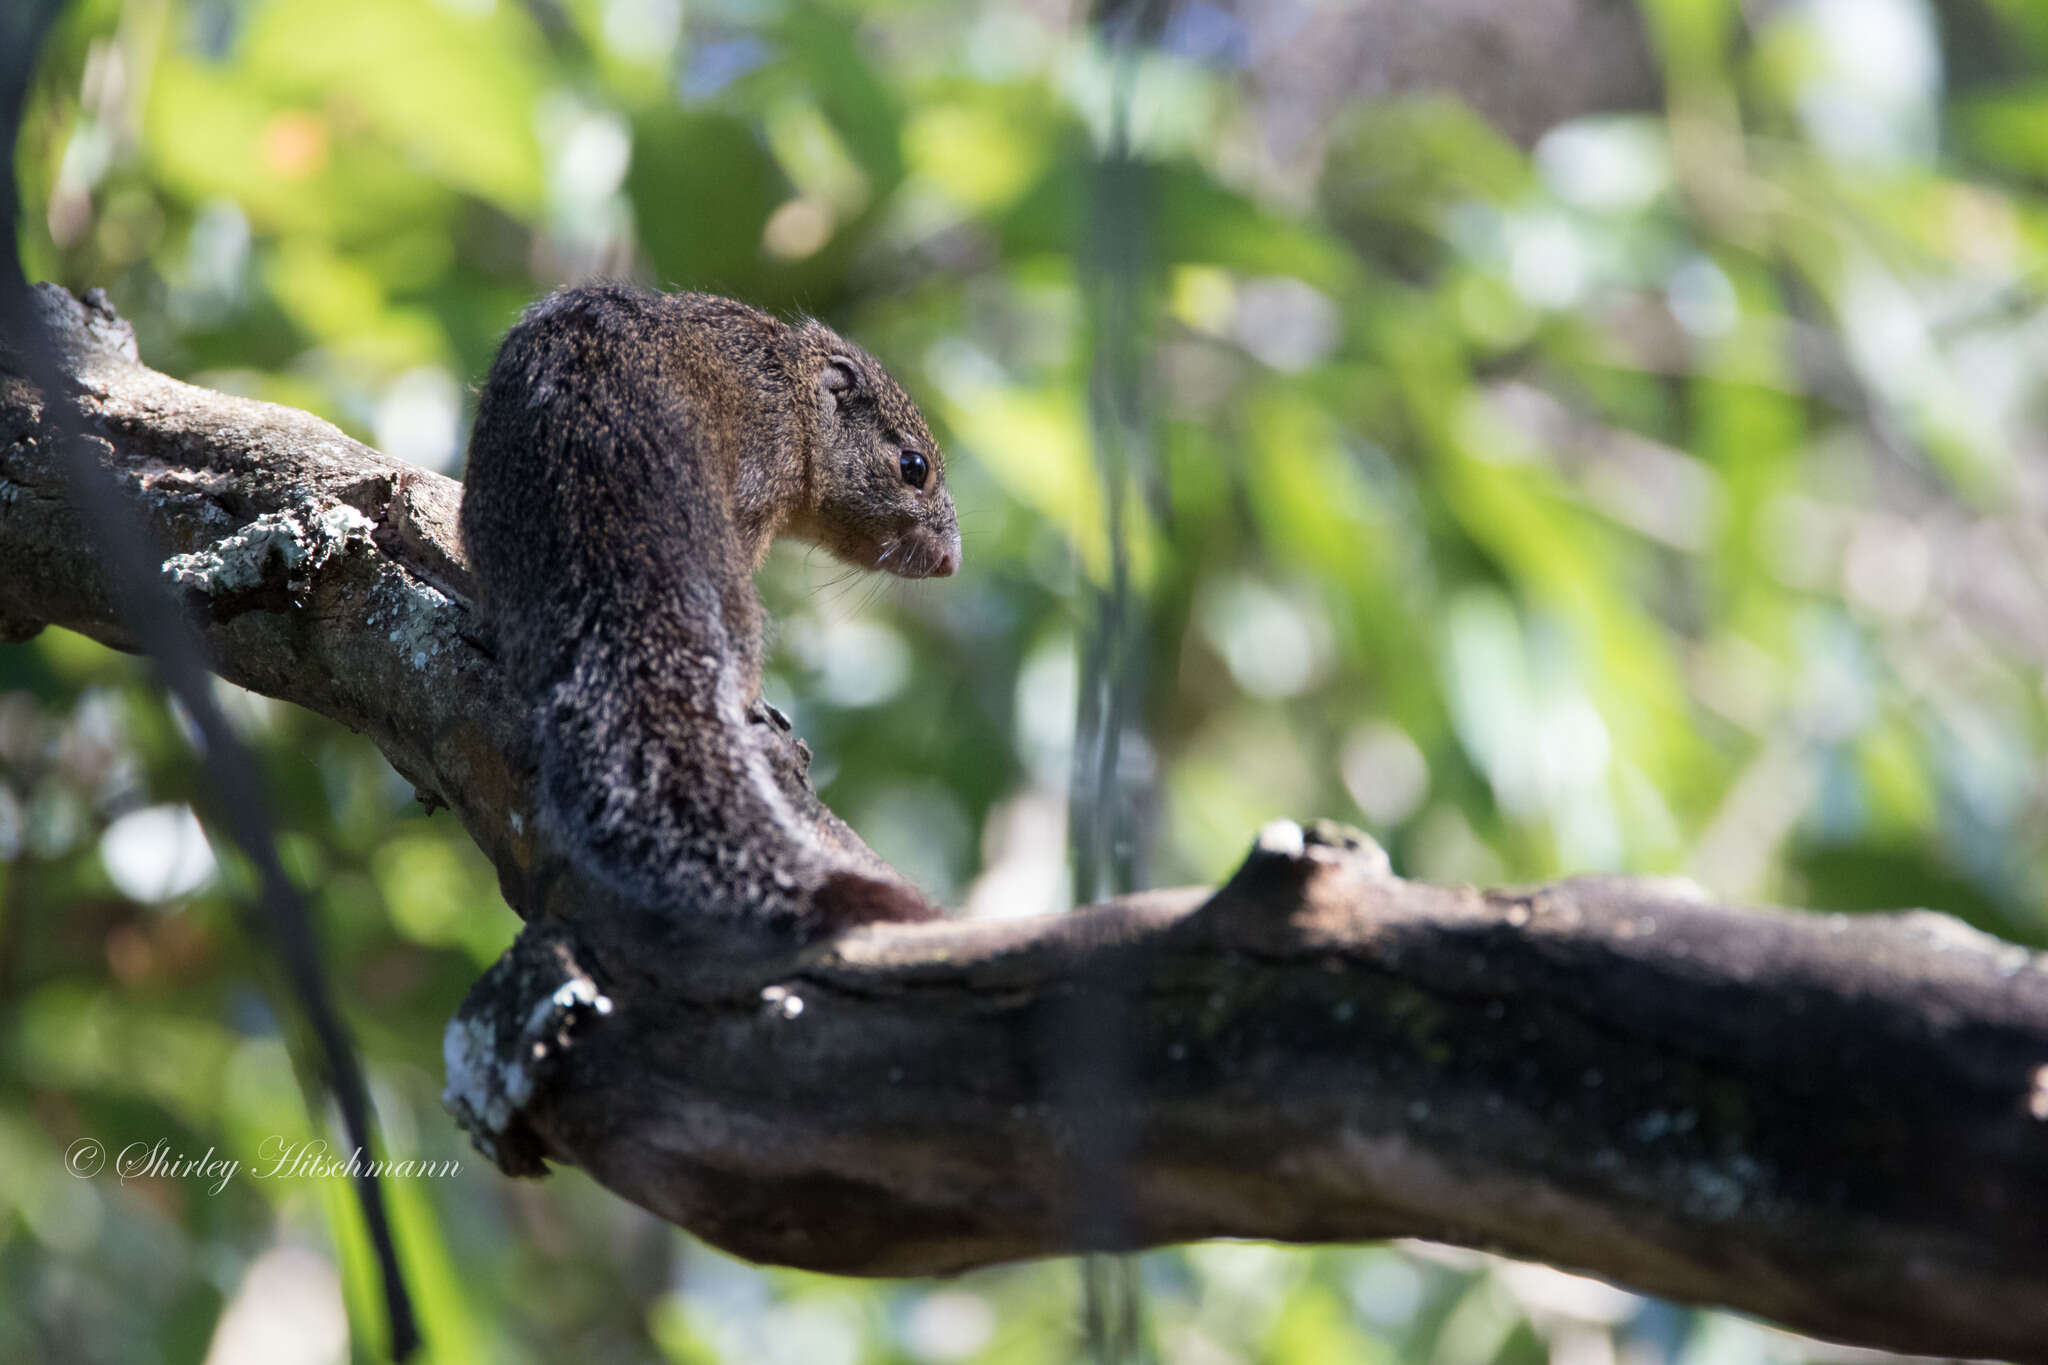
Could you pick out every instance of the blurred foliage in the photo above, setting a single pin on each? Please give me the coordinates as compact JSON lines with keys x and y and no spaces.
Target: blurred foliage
{"x":1669,"y":498}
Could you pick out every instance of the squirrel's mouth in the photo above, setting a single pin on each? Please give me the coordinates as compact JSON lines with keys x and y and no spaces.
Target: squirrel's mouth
{"x":920,"y":554}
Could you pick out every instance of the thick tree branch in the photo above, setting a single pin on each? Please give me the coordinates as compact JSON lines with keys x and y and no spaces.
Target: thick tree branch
{"x":1837,"y":1122}
{"x":1833,"y":1121}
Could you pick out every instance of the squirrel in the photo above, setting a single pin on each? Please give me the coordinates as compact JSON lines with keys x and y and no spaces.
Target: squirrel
{"x":633,"y":457}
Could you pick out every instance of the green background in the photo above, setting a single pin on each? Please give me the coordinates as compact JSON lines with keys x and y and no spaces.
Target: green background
{"x":1667,"y":498}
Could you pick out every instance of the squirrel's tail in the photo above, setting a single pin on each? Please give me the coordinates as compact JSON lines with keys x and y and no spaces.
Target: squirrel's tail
{"x":653,"y":792}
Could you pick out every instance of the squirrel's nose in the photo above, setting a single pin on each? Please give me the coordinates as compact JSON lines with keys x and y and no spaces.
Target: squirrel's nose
{"x":948,"y":562}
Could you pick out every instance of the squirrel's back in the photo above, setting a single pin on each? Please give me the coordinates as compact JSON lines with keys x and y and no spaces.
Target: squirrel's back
{"x":596,"y":513}
{"x":599,"y":517}
{"x":602,"y":457}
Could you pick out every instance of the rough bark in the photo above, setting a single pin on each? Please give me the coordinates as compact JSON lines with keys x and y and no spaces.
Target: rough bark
{"x":1837,"y":1122}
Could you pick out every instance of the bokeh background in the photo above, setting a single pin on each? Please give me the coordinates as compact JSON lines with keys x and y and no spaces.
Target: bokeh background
{"x":1663,"y":490}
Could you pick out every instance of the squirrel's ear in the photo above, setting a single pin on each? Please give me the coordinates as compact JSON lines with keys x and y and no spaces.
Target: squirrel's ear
{"x":839,"y":376}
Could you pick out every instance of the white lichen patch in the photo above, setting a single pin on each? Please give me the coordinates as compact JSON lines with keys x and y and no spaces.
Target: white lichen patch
{"x":481,"y":1086}
{"x":488,"y":1086}
{"x":575,"y":992}
{"x":1282,"y":837}
{"x":243,"y":560}
{"x":341,"y":521}
{"x":415,"y":618}
{"x":780,"y":1000}
{"x":274,"y":544}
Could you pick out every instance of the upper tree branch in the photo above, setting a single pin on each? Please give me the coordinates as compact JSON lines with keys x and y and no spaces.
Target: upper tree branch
{"x":1836,"y":1122}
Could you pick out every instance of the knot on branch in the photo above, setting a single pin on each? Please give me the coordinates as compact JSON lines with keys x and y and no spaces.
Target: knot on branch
{"x":1296,"y":853}
{"x":515,"y":1030}
{"x":1296,"y":872}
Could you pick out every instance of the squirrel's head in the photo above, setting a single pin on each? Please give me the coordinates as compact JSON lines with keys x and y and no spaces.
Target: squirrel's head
{"x":877,"y":494}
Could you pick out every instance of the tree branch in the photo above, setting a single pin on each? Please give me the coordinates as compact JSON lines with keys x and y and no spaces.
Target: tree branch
{"x":1840,"y":1123}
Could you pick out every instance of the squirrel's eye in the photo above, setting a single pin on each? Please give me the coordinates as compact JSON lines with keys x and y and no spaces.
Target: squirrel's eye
{"x":915,"y":467}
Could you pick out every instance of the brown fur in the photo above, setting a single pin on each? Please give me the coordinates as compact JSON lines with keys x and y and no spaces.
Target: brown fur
{"x":634,"y":456}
